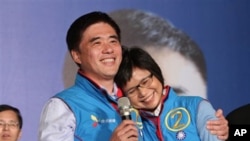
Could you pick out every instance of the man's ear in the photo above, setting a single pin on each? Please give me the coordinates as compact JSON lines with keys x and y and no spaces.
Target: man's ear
{"x":19,"y":135}
{"x":76,"y":56}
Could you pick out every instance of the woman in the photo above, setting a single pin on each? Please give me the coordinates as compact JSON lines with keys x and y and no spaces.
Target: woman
{"x":163,"y":112}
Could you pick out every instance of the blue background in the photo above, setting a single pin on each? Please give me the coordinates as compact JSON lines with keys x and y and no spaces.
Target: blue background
{"x":33,"y":48}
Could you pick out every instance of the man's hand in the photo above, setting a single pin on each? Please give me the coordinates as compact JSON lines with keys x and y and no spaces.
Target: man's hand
{"x":219,"y":127}
{"x":126,"y":131}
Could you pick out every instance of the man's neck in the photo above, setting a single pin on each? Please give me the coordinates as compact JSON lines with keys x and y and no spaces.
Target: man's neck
{"x":105,"y":82}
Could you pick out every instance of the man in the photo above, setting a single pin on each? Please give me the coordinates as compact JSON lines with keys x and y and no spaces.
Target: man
{"x":94,"y":44}
{"x":10,"y":123}
{"x":88,"y":109}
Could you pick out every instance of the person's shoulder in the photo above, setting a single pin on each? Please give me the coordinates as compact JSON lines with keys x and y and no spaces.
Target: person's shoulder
{"x":242,"y":110}
{"x":69,"y":91}
{"x":239,"y":115}
{"x":192,"y":98}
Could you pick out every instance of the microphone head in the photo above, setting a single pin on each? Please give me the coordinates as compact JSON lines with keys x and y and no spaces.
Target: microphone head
{"x":124,"y":106}
{"x":123,"y":102}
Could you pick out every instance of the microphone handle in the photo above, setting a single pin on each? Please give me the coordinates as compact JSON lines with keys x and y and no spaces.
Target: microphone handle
{"x":124,"y":117}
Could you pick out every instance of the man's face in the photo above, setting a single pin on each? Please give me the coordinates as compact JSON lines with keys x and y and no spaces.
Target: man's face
{"x":9,"y":126}
{"x":179,"y":73}
{"x":100,"y":52}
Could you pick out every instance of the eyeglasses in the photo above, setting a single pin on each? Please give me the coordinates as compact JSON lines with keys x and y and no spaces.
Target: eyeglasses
{"x":145,"y":83}
{"x":11,"y":125}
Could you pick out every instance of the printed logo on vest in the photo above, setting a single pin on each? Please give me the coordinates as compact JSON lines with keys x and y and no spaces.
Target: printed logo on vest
{"x":177,"y":119}
{"x":181,"y":135}
{"x":97,"y":121}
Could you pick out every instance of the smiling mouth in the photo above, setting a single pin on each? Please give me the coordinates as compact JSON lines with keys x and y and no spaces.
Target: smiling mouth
{"x":108,"y":60}
{"x":5,"y":136}
{"x":148,"y":98}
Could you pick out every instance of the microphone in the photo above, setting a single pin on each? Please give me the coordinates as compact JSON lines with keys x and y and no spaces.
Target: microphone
{"x":124,"y":108}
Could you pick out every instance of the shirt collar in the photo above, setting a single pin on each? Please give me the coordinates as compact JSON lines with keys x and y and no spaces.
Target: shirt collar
{"x":115,"y":93}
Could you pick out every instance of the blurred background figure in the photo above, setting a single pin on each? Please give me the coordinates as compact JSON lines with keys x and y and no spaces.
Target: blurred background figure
{"x":182,"y":61}
{"x":10,"y":123}
{"x":239,"y":116}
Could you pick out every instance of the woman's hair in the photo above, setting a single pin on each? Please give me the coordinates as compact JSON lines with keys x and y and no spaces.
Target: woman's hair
{"x":136,"y":57}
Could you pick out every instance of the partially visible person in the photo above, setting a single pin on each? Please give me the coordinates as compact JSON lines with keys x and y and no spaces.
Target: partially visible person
{"x":165,"y":115}
{"x":239,"y":116}
{"x":88,"y":109}
{"x":180,"y":58}
{"x":10,"y":123}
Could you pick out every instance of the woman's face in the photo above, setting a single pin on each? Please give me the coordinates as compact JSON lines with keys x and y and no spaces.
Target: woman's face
{"x":143,"y":90}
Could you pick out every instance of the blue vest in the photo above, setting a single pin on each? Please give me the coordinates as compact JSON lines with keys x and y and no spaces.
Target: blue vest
{"x":177,"y":120}
{"x":96,"y":118}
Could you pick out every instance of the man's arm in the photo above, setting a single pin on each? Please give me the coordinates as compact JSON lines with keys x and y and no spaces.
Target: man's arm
{"x":57,"y":122}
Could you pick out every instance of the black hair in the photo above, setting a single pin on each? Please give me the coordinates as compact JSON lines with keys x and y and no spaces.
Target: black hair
{"x":5,"y":107}
{"x":135,"y":57}
{"x":76,"y":29}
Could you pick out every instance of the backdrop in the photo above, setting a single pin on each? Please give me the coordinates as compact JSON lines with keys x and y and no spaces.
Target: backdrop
{"x":33,"y":47}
